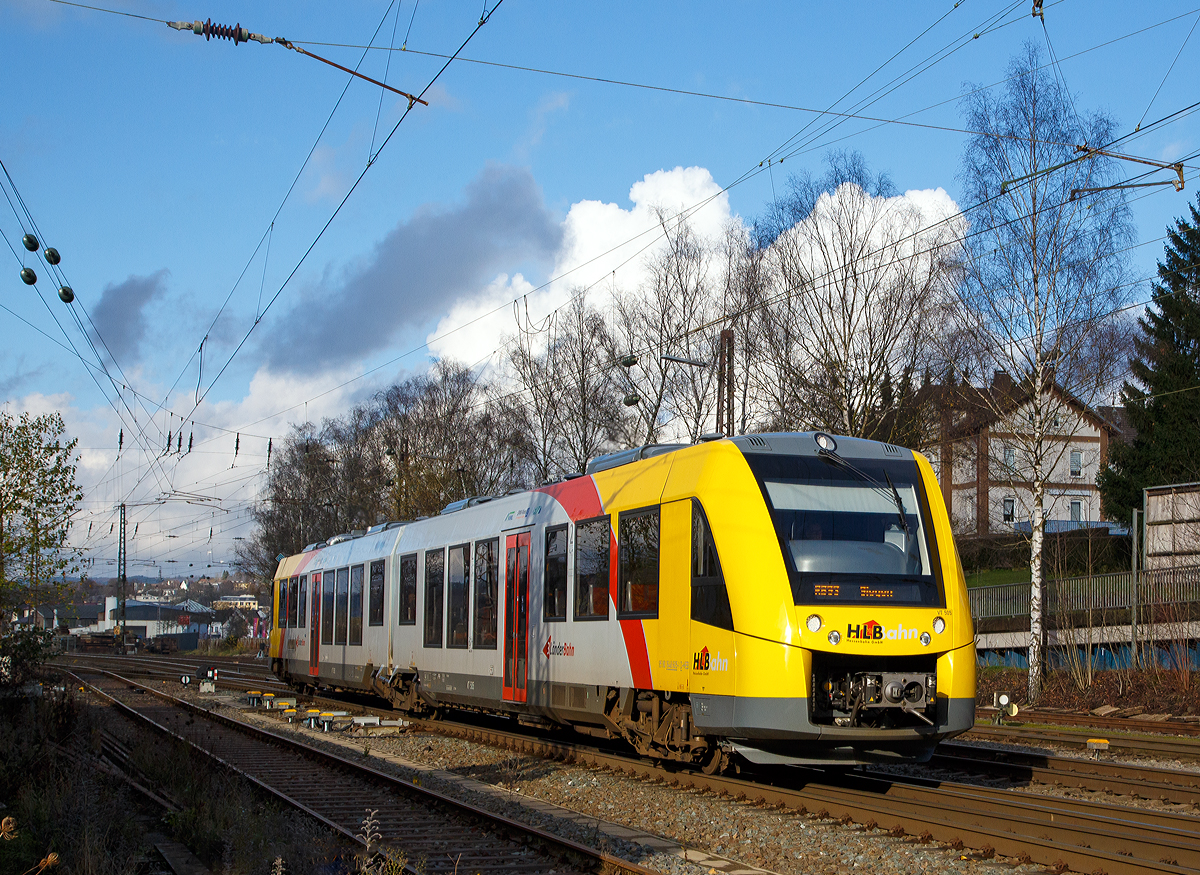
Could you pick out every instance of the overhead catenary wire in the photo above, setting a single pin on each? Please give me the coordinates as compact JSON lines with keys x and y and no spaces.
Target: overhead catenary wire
{"x":78,"y":4}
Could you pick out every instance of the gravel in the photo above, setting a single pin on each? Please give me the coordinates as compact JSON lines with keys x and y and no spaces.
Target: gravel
{"x":647,"y":822}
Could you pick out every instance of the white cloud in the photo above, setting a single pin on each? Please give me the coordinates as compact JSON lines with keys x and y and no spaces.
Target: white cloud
{"x":600,"y":242}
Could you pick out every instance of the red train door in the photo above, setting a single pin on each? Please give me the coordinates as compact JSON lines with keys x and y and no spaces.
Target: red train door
{"x":314,"y":628}
{"x":516,"y":617}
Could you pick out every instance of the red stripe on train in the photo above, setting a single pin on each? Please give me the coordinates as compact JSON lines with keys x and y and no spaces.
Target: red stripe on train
{"x":581,"y":500}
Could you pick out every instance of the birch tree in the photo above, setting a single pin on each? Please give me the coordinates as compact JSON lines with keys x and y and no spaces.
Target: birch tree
{"x":1043,"y":277}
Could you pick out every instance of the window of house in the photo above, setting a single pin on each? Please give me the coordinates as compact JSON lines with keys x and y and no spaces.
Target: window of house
{"x":1076,"y":511}
{"x":435,"y":586}
{"x":375,"y":599}
{"x":1010,"y":510}
{"x":356,"y":604}
{"x":302,"y":602}
{"x":458,"y":574}
{"x":1010,"y":458}
{"x":710,"y":599}
{"x":637,"y":550}
{"x":592,"y":568}
{"x":1076,"y":463}
{"x":407,"y":602}
{"x":487,"y":584}
{"x":341,"y":606}
{"x":327,"y":599}
{"x":554,"y":574}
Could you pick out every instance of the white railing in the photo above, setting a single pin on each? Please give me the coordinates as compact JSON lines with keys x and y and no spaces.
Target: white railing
{"x":1097,"y":592}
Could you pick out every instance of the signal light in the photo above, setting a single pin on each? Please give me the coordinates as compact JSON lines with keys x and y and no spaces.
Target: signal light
{"x":939,"y":625}
{"x":813,"y":623}
{"x":925,"y":639}
{"x":834,"y":636}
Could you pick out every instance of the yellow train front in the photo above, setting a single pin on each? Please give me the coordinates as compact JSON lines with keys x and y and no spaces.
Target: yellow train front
{"x":830,"y":621}
{"x":785,"y":597}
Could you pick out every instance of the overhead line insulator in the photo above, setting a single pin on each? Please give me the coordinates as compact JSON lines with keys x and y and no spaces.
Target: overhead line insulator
{"x":208,"y":30}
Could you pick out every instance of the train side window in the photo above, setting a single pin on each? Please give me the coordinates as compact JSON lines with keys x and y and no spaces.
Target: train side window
{"x":356,"y":605}
{"x":293,"y":584}
{"x":637,"y":551}
{"x":281,"y":621}
{"x":327,"y":599}
{"x":435,"y":585}
{"x":341,"y":606}
{"x":592,"y":568}
{"x":302,"y":603}
{"x":554,"y":575}
{"x":458,"y":573}
{"x":375,"y":600}
{"x":487,"y":579}
{"x":710,"y":599}
{"x":407,"y":603}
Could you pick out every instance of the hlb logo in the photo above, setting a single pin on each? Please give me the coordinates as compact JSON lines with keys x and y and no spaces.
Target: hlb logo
{"x":872,"y":631}
{"x":704,"y":661}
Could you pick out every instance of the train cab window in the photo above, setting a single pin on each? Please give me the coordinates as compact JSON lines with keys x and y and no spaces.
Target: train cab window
{"x":592,"y":568}
{"x":710,"y":599}
{"x":458,"y":574}
{"x":356,"y":605}
{"x":487,"y":579}
{"x":554,"y":575}
{"x":375,"y":598}
{"x":302,"y":602}
{"x":435,"y":585}
{"x":341,"y":606}
{"x":407,"y":603}
{"x":637,"y":552}
{"x":327,"y":599}
{"x":281,"y":621}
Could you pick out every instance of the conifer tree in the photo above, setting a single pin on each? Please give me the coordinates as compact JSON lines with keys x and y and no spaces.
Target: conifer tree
{"x":1163,"y":402}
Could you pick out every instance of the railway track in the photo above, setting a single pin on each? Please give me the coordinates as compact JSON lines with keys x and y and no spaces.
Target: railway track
{"x":1084,"y":835}
{"x":437,"y":833}
{"x":1098,"y":775}
{"x":1161,"y":747}
{"x":1092,"y":723}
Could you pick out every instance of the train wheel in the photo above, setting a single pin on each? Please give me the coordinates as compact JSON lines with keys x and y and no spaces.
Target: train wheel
{"x":716,"y":762}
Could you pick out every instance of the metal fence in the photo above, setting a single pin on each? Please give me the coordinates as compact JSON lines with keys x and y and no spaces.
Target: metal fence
{"x":1098,"y":592}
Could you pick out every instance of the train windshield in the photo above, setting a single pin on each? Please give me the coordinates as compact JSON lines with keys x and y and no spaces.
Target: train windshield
{"x":853,"y":532}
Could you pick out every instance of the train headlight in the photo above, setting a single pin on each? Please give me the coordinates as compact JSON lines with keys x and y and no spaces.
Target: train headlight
{"x":939,"y":625}
{"x":834,"y":636}
{"x":813,"y":623}
{"x":925,"y":639}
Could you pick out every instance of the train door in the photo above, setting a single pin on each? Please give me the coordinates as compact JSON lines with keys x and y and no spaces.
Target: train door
{"x":516,"y":617}
{"x":314,"y":629}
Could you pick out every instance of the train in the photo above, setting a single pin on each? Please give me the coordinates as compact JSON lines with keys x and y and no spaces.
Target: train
{"x":786,"y":598}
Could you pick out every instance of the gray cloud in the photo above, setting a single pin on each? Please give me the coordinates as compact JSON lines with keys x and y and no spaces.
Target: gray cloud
{"x":120,"y":315}
{"x":419,"y":271}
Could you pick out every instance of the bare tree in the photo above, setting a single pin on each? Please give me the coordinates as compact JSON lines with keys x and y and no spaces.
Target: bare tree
{"x":590,"y":394}
{"x":859,"y":279}
{"x":1042,"y":281}
{"x":667,"y":318}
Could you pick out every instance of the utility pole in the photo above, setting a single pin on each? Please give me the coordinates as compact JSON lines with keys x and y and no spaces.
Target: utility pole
{"x":725,"y":383}
{"x":121,"y":570}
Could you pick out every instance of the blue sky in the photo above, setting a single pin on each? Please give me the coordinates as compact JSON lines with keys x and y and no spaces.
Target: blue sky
{"x":155,"y":161}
